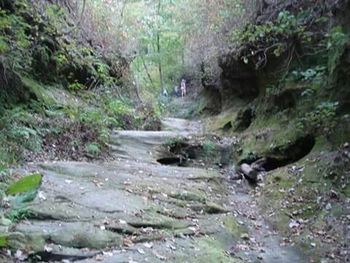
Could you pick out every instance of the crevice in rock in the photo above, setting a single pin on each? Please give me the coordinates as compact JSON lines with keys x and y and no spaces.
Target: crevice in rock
{"x":227,"y":126}
{"x":121,"y":230}
{"x":282,"y":155}
{"x":244,"y":119}
{"x":290,"y":154}
{"x":43,"y":216}
{"x":161,"y":225}
{"x":180,"y":153}
{"x":199,"y":152}
{"x":45,"y":256}
{"x":171,"y":161}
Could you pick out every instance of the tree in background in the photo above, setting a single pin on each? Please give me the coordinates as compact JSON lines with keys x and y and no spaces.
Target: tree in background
{"x":162,"y":39}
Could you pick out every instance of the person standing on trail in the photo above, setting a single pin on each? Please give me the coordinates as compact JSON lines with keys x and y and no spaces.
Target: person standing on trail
{"x":183,"y":87}
{"x":176,"y":91}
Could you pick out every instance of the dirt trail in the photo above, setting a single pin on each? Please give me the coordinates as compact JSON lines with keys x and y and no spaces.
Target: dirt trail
{"x":136,"y":210}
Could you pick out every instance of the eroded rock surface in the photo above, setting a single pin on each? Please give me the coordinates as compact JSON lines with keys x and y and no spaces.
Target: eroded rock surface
{"x":136,"y":210}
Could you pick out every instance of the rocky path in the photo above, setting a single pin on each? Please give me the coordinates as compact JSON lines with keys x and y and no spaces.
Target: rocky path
{"x":136,"y":210}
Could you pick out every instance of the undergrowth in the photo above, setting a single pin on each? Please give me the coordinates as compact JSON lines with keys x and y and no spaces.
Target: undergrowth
{"x":41,"y":132}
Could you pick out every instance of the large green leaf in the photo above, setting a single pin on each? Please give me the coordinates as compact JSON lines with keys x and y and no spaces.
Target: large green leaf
{"x":3,"y":240}
{"x":25,"y":184}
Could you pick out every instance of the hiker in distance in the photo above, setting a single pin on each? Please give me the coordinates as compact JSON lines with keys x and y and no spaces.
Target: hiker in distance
{"x":165,"y":93}
{"x":183,"y":88}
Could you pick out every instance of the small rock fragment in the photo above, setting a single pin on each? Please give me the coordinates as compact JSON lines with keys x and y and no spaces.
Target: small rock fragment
{"x":328,"y":206}
{"x":161,"y":257}
{"x":47,"y":248}
{"x":141,"y":251}
{"x":294,"y":224}
{"x":148,"y":245}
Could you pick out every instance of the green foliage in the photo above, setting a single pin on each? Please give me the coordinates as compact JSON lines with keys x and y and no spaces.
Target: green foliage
{"x":19,"y":214}
{"x":322,"y":119}
{"x":94,"y":117}
{"x":276,"y":37}
{"x":103,"y":73}
{"x":76,"y":86}
{"x":18,"y":132}
{"x":14,"y":40}
{"x":284,"y":26}
{"x":55,"y":19}
{"x":4,"y":47}
{"x":19,"y":193}
{"x":34,"y":40}
{"x":117,"y":107}
{"x":173,"y":142}
{"x":93,"y":149}
{"x":148,"y":117}
{"x":310,"y":75}
{"x":161,"y":44}
{"x":61,"y":60}
{"x":208,"y":148}
{"x":3,"y":240}
{"x":337,"y":41}
{"x":272,"y":35}
{"x":25,"y":184}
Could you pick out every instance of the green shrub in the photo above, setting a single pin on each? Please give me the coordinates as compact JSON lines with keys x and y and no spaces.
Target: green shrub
{"x":76,"y":86}
{"x":337,"y":42}
{"x":281,"y":36}
{"x":270,"y":36}
{"x":208,"y":148}
{"x":18,"y":131}
{"x":322,"y":119}
{"x":93,"y":149}
{"x":316,"y":76}
{"x":118,"y":107}
{"x":3,"y":240}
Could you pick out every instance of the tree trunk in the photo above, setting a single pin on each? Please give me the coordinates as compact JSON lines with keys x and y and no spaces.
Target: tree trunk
{"x":137,"y":90}
{"x":159,"y":50}
{"x":147,"y":72}
{"x":122,"y":13}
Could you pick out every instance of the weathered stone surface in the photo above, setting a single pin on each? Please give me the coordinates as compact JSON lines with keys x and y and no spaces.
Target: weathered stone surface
{"x":134,"y":209}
